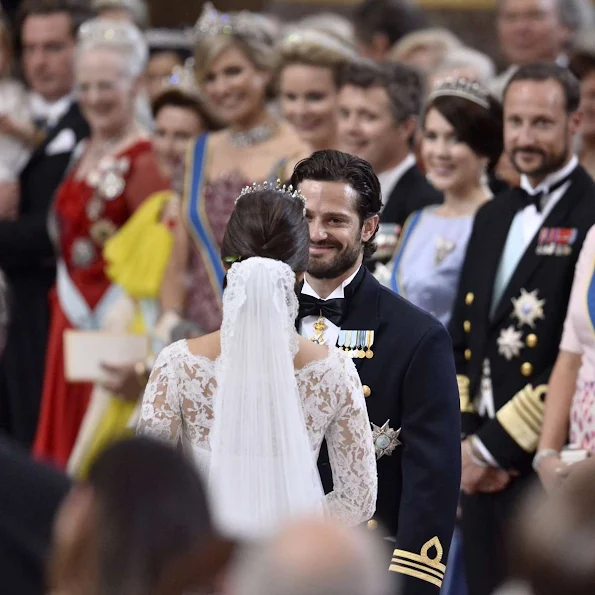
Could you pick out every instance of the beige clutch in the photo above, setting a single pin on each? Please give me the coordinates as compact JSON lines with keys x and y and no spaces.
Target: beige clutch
{"x":85,"y":351}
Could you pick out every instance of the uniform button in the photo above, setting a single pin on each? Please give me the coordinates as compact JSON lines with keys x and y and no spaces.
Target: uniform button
{"x":467,"y":326}
{"x":531,"y":340}
{"x":367,"y":391}
{"x":526,"y":369}
{"x":372,"y":525}
{"x":469,"y":298}
{"x":467,"y":354}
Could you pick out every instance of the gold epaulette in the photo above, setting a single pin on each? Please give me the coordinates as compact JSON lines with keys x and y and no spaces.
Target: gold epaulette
{"x":522,"y":416}
{"x":420,"y":565}
{"x":465,"y":399}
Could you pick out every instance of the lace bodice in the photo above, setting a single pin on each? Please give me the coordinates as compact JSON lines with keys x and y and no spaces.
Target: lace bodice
{"x":178,"y":407}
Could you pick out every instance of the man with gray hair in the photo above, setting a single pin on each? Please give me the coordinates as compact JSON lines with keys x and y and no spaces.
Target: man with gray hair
{"x":379,"y":106}
{"x":314,"y":557}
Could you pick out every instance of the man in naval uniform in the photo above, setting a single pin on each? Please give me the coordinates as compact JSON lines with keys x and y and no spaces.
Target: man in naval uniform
{"x":510,"y":309}
{"x":404,"y":358}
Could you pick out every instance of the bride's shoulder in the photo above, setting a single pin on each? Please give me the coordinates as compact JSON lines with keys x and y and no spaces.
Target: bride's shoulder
{"x":207,"y":346}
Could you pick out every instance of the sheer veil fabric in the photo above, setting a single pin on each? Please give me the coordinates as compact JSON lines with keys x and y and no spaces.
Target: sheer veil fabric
{"x":262,"y":468}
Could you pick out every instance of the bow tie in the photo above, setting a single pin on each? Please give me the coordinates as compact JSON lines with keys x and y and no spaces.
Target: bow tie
{"x":528,"y":199}
{"x":333,"y":310}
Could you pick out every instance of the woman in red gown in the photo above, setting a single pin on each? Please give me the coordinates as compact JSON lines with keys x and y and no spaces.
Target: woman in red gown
{"x":115,"y":173}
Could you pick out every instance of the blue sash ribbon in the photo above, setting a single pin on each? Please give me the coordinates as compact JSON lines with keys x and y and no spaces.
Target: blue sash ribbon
{"x":197,"y":217}
{"x":410,"y":225}
{"x":591,"y":299}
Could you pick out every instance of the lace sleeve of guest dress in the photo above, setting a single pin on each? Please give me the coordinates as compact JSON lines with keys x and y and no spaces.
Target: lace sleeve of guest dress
{"x":161,"y":416}
{"x":351,"y":451}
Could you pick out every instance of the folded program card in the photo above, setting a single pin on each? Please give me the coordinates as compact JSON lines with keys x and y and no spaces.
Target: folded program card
{"x":85,"y":351}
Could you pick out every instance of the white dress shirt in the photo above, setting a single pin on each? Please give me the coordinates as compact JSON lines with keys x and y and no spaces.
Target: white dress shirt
{"x":331,"y":334}
{"x":528,"y":221}
{"x":390,"y":178}
{"x":51,"y":112}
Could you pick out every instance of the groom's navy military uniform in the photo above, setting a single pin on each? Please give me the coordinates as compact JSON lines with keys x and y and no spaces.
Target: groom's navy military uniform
{"x":412,"y":396}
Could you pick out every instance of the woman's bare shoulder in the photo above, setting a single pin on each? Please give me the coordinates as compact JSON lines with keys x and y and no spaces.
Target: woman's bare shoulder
{"x":309,"y":352}
{"x":208,"y":346}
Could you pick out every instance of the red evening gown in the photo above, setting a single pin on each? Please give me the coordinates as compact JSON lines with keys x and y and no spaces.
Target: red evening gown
{"x":82,"y":233}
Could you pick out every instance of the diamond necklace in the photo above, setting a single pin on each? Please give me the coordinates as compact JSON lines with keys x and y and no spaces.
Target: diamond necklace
{"x":254,"y":136}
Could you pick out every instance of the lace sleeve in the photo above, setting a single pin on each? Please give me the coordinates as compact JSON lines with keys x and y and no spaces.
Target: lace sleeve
{"x":160,"y":411}
{"x":351,"y":454}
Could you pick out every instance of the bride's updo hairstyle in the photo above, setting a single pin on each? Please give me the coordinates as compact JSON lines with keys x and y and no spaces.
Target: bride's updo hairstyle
{"x":269,"y":223}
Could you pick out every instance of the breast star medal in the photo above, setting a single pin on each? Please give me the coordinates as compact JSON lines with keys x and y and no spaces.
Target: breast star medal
{"x":385,"y":439}
{"x":443,"y":248}
{"x":510,"y":343}
{"x":528,"y":308}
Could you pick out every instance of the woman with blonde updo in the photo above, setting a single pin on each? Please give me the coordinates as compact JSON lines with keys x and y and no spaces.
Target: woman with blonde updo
{"x":235,"y":64}
{"x":310,"y":64}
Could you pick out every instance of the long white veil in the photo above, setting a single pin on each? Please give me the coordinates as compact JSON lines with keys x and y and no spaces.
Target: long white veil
{"x":262,"y":469}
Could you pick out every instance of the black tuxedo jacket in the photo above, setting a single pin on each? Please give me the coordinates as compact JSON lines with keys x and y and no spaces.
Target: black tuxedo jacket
{"x":412,"y":385}
{"x":546,"y":271}
{"x":27,"y":257}
{"x":411,"y":193}
{"x":29,"y":498}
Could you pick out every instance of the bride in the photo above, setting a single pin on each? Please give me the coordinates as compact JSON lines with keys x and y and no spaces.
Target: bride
{"x":253,"y":401}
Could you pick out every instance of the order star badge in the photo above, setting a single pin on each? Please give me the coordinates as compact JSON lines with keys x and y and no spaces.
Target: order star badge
{"x":510,"y":343}
{"x":385,"y":439}
{"x":528,"y":308}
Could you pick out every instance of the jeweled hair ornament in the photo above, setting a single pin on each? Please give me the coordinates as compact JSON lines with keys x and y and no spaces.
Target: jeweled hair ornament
{"x":244,"y":23}
{"x":283,"y":190}
{"x":461,"y":87}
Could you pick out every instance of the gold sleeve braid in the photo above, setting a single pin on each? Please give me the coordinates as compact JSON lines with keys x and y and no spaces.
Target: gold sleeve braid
{"x":421,"y":566}
{"x":522,"y":416}
{"x":464,"y":397}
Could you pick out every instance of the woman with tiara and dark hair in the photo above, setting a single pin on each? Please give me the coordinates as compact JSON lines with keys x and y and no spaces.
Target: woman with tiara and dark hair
{"x":461,"y":143}
{"x":251,"y":403}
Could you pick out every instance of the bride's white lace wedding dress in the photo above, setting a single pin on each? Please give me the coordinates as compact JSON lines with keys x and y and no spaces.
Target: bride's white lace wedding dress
{"x":254,"y":424}
{"x":178,"y":406}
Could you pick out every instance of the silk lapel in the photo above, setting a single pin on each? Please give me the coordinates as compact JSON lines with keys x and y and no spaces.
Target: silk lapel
{"x":530,"y":262}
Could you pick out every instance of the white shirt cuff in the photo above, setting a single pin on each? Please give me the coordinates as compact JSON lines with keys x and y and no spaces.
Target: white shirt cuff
{"x":485,"y":453}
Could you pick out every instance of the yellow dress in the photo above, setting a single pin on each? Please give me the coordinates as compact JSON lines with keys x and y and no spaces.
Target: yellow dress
{"x":136,"y":259}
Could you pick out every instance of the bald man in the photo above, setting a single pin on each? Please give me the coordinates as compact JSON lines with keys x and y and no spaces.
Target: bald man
{"x":314,"y":557}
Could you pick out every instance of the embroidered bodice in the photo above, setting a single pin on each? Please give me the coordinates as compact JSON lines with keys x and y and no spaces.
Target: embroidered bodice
{"x":178,"y":407}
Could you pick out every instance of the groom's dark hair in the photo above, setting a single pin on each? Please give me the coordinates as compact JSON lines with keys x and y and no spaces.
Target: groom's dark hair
{"x":269,"y":224}
{"x":334,"y":166}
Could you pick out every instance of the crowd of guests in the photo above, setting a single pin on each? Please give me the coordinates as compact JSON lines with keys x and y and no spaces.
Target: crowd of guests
{"x":123,"y":151}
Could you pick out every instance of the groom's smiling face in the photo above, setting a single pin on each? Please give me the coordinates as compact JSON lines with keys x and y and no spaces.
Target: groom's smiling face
{"x":336,"y":233}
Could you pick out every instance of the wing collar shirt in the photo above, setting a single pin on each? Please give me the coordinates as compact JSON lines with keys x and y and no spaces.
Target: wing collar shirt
{"x":331,"y":334}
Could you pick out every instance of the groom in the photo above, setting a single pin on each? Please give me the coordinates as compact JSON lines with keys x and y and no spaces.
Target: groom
{"x":404,"y":359}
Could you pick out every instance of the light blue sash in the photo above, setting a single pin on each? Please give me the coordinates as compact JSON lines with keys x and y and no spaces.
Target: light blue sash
{"x":405,"y":235}
{"x":75,"y":307}
{"x":197,"y":218}
{"x":591,"y":299}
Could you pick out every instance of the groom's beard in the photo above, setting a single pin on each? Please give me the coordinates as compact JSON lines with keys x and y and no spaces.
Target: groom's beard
{"x":340,"y":264}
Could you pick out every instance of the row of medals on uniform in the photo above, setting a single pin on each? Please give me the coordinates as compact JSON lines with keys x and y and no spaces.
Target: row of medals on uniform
{"x":356,"y":344}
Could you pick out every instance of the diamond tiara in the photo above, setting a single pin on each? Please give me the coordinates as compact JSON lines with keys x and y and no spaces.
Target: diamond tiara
{"x":212,"y":22}
{"x":282,"y":189}
{"x":461,"y":87}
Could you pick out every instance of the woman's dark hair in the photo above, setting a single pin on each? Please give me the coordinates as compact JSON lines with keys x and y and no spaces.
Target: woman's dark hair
{"x":335,"y":166}
{"x":179,"y":99}
{"x":270,"y":224}
{"x":151,"y":508}
{"x":480,"y":128}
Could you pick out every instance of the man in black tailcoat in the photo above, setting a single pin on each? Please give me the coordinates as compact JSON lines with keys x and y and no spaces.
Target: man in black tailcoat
{"x":47,"y":35}
{"x":511,"y":305}
{"x":404,"y":358}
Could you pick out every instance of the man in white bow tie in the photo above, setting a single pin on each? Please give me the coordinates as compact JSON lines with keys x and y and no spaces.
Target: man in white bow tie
{"x":48,"y":29}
